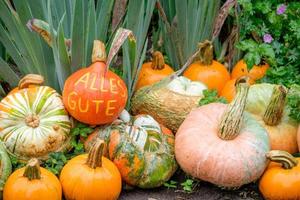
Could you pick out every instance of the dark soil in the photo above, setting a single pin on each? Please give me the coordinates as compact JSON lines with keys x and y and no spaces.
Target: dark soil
{"x":201,"y":190}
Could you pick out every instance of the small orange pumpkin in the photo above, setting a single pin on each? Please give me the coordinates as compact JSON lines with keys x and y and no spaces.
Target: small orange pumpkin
{"x":228,"y":92}
{"x":32,"y":183}
{"x":206,"y":70}
{"x":281,"y":180}
{"x":28,"y":81}
{"x":154,"y":71}
{"x":94,"y":95}
{"x":256,"y":73}
{"x":91,"y":176}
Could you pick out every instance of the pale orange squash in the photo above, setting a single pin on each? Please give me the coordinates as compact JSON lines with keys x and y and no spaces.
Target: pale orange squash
{"x":221,"y":144}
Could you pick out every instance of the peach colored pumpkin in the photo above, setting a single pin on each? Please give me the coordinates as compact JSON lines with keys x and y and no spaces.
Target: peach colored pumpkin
{"x":221,"y":144}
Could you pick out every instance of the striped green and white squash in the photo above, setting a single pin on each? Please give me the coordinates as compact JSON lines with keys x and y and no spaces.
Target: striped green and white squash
{"x":34,"y":122}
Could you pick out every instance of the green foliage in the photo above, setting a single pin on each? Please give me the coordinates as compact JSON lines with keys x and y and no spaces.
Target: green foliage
{"x":186,"y":23}
{"x":137,"y":19}
{"x":211,"y":96}
{"x":81,"y":21}
{"x":15,"y":163}
{"x":259,"y":18}
{"x":170,"y":184}
{"x":188,"y":185}
{"x":55,"y":162}
{"x":293,"y":102}
{"x":81,"y":131}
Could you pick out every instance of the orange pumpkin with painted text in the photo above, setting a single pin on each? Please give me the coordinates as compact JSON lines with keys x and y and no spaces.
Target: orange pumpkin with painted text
{"x":95,"y":95}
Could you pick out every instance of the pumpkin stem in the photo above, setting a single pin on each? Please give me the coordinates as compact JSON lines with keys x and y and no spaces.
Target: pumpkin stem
{"x":286,"y":159}
{"x":94,"y":159}
{"x":31,"y":79}
{"x":274,"y":110}
{"x":158,"y":61}
{"x":32,"y":170}
{"x":99,"y":53}
{"x":231,"y":121}
{"x":206,"y":54}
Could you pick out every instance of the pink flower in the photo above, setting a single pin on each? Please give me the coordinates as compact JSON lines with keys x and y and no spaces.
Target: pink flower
{"x":281,"y":9}
{"x":267,"y":38}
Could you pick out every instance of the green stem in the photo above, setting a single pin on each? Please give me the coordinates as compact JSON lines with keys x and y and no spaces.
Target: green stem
{"x":282,"y":157}
{"x":94,"y":159}
{"x":32,"y":170}
{"x":232,"y":118}
{"x":274,"y":110}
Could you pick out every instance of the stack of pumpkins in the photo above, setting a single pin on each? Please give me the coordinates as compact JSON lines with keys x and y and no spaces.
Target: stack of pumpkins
{"x":34,"y":122}
{"x":140,"y":150}
{"x":253,"y":129}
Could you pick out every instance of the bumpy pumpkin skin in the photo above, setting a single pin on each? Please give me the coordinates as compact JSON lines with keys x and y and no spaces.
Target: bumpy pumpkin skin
{"x":5,"y":167}
{"x":19,"y":187}
{"x":81,"y":182}
{"x":282,"y":136}
{"x":34,"y":122}
{"x":231,"y":163}
{"x":214,"y":76}
{"x":279,"y":183}
{"x":145,"y":157}
{"x":164,"y":105}
{"x":148,"y":75}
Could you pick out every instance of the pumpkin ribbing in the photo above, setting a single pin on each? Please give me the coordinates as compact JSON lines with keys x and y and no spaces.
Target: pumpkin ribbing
{"x":32,"y":170}
{"x":231,"y":121}
{"x":274,"y":110}
{"x":283,"y":157}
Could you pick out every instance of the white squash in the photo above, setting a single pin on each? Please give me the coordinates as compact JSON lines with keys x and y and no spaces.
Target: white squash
{"x":33,"y":123}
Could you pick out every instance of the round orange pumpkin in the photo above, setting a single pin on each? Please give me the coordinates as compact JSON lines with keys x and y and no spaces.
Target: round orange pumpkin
{"x":208,"y":71}
{"x":281,"y":180}
{"x":154,"y":71}
{"x":32,"y":183}
{"x":28,"y":81}
{"x":95,"y":95}
{"x":91,"y":176}
{"x":221,"y":144}
{"x":256,"y":73}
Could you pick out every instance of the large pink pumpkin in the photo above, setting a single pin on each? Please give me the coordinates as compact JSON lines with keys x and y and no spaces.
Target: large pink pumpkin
{"x":237,"y":159}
